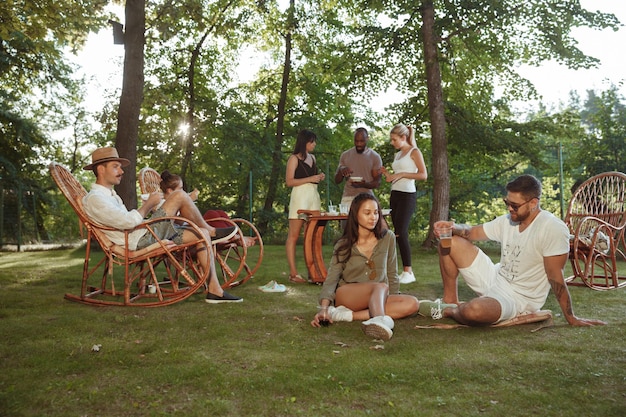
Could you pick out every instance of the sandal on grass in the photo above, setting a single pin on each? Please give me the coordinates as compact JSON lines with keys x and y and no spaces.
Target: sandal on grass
{"x":297,"y":279}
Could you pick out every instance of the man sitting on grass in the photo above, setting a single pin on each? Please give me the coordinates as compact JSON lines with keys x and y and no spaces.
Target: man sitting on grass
{"x":534,"y":250}
{"x":105,"y":207}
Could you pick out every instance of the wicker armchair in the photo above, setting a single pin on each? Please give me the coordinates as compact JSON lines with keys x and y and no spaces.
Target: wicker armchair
{"x":596,"y":217}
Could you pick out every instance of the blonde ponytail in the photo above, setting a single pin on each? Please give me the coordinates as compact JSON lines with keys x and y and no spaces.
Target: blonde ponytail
{"x":407,"y":131}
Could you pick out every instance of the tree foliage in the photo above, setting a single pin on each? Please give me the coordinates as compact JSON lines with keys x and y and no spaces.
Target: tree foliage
{"x":34,"y":73}
{"x":604,"y":147}
{"x":36,"y":90}
{"x":230,"y":137}
{"x":480,"y":45}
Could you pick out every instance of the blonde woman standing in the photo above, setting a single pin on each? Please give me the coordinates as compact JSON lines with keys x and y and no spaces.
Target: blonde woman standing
{"x":408,"y":166}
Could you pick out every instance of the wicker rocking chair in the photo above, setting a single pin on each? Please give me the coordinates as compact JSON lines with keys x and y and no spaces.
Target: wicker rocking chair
{"x":158,"y":275}
{"x":238,"y":258}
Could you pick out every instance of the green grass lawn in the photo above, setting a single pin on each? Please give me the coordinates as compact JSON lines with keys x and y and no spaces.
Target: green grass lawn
{"x":262,"y":357}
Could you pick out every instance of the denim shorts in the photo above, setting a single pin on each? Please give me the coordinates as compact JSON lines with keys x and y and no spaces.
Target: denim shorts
{"x":165,"y":229}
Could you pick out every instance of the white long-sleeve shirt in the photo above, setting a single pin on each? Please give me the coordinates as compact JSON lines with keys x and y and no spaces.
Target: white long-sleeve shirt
{"x":105,"y":207}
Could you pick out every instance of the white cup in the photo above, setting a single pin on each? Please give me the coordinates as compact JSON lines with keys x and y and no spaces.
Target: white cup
{"x":332,"y":209}
{"x":344,"y":208}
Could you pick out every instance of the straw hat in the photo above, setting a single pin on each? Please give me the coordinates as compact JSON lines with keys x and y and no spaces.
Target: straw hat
{"x":105,"y":155}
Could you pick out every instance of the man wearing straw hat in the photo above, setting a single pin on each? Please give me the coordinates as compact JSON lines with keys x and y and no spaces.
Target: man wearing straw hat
{"x":103,"y":205}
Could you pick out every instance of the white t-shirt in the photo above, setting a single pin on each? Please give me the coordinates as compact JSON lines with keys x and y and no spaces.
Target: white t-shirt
{"x":521,"y":259}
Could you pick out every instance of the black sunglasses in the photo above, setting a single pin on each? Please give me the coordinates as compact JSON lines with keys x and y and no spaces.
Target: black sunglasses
{"x":515,"y":206}
{"x":372,"y":267}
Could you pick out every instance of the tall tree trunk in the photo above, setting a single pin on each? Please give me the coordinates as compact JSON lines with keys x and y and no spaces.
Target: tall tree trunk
{"x":280,"y":123}
{"x":441,"y":191}
{"x":131,"y":98}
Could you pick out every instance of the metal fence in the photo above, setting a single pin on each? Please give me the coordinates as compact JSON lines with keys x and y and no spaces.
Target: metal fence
{"x":28,"y":218}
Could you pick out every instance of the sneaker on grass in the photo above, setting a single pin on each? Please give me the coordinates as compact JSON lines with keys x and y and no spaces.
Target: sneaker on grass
{"x":407,"y":277}
{"x":273,"y":286}
{"x":341,"y":313}
{"x":433,"y":309}
{"x":379,"y":327}
{"x":225,"y":298}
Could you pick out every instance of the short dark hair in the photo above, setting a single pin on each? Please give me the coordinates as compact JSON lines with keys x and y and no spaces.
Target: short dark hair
{"x":94,"y":167}
{"x":527,"y":185}
{"x":363,"y":131}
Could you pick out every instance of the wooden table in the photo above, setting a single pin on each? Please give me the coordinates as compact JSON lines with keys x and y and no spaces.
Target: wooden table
{"x":313,"y":234}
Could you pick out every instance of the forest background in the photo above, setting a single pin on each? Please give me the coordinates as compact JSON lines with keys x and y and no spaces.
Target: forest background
{"x":320,"y":65}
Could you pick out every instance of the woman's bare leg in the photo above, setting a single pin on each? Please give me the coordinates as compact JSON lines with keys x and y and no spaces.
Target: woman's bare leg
{"x":295,"y":225}
{"x":401,"y":305}
{"x":364,"y":299}
{"x":206,"y":260}
{"x":179,"y":202}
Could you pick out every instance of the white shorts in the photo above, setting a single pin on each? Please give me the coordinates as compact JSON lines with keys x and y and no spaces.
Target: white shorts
{"x":482,"y":277}
{"x":303,"y":197}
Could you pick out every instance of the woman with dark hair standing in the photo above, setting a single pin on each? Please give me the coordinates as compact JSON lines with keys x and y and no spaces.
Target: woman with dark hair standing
{"x":362,"y":281}
{"x":408,"y":166}
{"x":302,"y":177}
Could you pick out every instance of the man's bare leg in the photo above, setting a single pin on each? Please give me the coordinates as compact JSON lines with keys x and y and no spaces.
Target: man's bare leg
{"x":476,"y":312}
{"x":460,"y":255}
{"x":481,"y":311}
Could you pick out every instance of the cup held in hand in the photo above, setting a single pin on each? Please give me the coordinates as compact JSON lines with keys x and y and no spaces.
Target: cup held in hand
{"x":445,"y":236}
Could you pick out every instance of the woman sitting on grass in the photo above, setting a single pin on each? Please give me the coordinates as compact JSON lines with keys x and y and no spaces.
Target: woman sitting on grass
{"x":362,"y":280}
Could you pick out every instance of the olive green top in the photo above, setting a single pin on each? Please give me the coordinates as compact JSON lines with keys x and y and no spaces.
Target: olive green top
{"x":356,"y":269}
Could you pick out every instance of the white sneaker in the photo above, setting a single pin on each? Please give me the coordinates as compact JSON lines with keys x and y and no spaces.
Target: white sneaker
{"x":388,"y":322}
{"x":273,"y":286}
{"x":407,"y":277}
{"x":378,"y":327}
{"x":341,"y":313}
